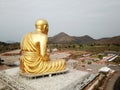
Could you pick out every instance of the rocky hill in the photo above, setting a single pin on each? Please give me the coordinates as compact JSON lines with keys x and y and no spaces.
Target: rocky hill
{"x":112,"y":40}
{"x":63,"y":38}
{"x":84,"y":39}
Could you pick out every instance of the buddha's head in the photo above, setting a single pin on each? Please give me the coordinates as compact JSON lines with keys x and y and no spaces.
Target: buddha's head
{"x":41,"y":26}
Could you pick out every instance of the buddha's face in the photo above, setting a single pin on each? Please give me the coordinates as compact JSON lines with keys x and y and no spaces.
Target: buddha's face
{"x":42,"y":26}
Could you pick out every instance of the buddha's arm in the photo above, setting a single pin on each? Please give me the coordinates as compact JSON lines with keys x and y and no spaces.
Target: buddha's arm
{"x":43,"y":45}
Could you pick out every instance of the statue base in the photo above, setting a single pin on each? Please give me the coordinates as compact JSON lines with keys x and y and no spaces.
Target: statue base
{"x":50,"y":74}
{"x":73,"y":80}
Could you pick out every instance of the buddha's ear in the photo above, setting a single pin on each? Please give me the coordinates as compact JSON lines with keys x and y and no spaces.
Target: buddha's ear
{"x":45,"y":28}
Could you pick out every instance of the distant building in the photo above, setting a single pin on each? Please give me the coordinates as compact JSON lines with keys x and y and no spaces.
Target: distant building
{"x":104,"y":70}
{"x":55,"y":50}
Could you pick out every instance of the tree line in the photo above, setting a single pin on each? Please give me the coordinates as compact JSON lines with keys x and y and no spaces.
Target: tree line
{"x":4,"y":47}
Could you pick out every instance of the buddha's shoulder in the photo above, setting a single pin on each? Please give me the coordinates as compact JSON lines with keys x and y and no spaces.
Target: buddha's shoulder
{"x":36,"y":34}
{"x":26,"y":35}
{"x":29,"y":33}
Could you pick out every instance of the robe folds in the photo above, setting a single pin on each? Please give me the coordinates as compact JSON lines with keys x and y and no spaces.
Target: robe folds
{"x":31,"y":60}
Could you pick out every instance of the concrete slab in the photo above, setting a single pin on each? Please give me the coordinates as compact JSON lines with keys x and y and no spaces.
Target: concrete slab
{"x":67,"y":81}
{"x":50,"y":74}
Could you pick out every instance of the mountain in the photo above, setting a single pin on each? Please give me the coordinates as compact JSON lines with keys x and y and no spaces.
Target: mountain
{"x":63,"y":38}
{"x":84,"y":39}
{"x":111,"y":40}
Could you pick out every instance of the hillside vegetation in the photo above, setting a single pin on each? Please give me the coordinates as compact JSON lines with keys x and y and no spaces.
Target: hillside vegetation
{"x":63,"y":38}
{"x":86,"y":43}
{"x":4,"y":47}
{"x":64,"y":41}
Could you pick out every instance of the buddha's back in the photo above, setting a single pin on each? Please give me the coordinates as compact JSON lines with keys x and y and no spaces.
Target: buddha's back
{"x":34,"y":58}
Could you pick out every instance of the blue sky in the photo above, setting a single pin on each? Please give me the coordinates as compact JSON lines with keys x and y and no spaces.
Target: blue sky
{"x":96,"y":18}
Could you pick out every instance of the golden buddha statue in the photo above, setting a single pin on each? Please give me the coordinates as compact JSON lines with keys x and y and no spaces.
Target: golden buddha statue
{"x":34,"y":58}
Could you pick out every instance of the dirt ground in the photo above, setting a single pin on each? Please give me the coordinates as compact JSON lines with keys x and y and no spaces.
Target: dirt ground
{"x":111,"y":81}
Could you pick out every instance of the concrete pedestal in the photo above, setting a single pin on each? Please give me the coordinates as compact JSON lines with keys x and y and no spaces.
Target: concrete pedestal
{"x":66,"y":81}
